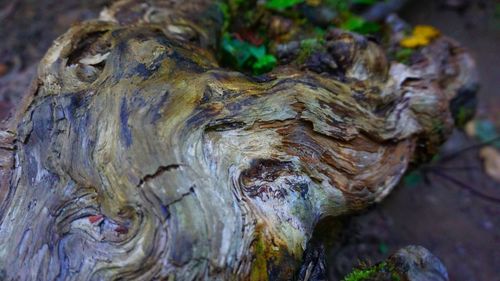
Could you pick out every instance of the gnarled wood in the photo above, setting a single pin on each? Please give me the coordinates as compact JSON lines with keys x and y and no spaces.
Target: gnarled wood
{"x":137,"y":157}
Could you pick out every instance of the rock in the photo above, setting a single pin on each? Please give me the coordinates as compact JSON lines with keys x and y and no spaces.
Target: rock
{"x":416,"y":263}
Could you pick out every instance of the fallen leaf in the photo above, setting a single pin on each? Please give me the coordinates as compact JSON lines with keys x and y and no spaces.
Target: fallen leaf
{"x":421,"y":36}
{"x":414,"y":42}
{"x":470,"y":128}
{"x":427,"y":31}
{"x":491,"y":161}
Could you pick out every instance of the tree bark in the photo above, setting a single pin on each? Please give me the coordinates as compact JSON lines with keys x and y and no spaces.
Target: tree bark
{"x":138,"y":157}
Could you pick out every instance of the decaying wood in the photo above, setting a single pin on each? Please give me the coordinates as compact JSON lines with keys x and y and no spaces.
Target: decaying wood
{"x":137,"y":157}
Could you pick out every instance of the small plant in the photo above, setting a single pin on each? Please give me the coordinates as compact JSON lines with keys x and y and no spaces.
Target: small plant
{"x":247,"y":57}
{"x":381,"y":271}
{"x":281,"y":4}
{"x":359,"y":25}
{"x":246,"y":41}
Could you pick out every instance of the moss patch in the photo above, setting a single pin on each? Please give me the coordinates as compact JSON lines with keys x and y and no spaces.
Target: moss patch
{"x":381,"y":271}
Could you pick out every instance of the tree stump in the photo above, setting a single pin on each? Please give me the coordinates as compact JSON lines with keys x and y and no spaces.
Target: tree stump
{"x":138,"y":157}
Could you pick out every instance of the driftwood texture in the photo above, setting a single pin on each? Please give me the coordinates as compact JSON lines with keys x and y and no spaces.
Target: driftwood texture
{"x":137,"y":157}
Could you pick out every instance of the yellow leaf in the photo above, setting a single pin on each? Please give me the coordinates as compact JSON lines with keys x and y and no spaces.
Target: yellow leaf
{"x":426,"y":31}
{"x":421,"y":36}
{"x":491,"y":162}
{"x":414,"y":42}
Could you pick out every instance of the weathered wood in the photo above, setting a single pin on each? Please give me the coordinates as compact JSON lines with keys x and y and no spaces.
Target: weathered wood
{"x":137,"y":157}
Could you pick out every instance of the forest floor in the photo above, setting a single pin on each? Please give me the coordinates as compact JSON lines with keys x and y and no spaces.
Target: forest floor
{"x":444,"y":213}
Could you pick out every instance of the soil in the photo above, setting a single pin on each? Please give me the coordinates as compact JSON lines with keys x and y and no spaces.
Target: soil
{"x":459,"y":226}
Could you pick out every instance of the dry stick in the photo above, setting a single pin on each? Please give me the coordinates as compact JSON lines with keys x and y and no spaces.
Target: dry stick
{"x":435,"y":170}
{"x":465,"y":186}
{"x":456,"y":168}
{"x":474,"y":146}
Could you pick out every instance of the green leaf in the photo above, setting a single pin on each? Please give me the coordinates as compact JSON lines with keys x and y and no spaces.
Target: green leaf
{"x":245,"y":56}
{"x":257,"y":52}
{"x":236,"y":51}
{"x":369,"y":28}
{"x":353,"y":23}
{"x":281,"y":4}
{"x":359,"y":25}
{"x":264,"y":64}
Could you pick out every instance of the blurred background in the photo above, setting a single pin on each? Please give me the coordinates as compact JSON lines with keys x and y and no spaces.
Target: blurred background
{"x":450,"y":206}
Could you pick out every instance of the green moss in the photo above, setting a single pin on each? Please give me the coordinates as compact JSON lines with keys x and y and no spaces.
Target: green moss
{"x":259,"y":267}
{"x":307,"y":48}
{"x":381,"y":271}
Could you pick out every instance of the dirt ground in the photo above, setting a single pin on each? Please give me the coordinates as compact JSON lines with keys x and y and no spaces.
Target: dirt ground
{"x":448,"y":218}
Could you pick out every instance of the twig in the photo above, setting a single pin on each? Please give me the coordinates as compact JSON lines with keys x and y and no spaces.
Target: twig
{"x":462,"y":150}
{"x":465,"y":186}
{"x":455,"y":168}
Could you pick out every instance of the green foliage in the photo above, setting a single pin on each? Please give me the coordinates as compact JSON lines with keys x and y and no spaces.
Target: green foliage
{"x":245,"y":54}
{"x":281,"y":4}
{"x":359,"y":25}
{"x":264,"y":64}
{"x":360,"y":274}
{"x":403,"y":55}
{"x":247,"y":57}
{"x":365,"y":274}
{"x":224,"y":8}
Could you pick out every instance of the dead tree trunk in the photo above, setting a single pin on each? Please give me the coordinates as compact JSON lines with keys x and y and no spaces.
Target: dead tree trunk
{"x":137,"y":157}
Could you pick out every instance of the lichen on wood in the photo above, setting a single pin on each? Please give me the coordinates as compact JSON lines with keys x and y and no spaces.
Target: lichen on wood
{"x":138,"y":157}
